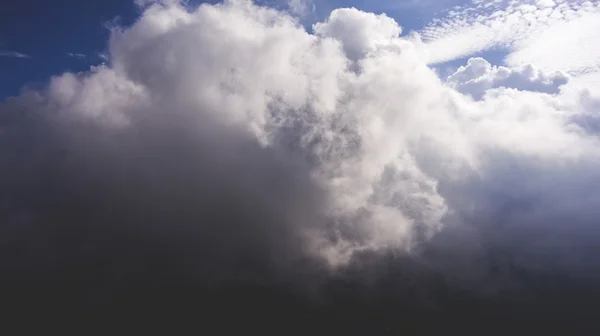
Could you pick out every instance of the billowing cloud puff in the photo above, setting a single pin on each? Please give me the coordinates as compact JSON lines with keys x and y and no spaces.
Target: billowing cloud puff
{"x":247,"y":149}
{"x":479,"y":76}
{"x":359,"y":32}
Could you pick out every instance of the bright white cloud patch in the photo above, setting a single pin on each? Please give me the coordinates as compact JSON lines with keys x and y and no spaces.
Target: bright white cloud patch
{"x":545,"y":3}
{"x":479,"y":76}
{"x":359,"y":32}
{"x":396,"y":153}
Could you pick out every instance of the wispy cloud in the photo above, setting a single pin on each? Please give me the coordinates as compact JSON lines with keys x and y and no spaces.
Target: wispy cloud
{"x":301,"y":7}
{"x":13,"y":54}
{"x":102,"y":56}
{"x":77,"y":55}
{"x":553,"y":35}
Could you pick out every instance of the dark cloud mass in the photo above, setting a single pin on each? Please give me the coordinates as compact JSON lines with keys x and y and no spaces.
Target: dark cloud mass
{"x":227,"y":172}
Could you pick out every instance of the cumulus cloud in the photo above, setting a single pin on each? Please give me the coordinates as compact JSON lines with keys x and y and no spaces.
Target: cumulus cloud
{"x":359,"y":32}
{"x":479,"y":76}
{"x":545,"y":3}
{"x":244,"y":148}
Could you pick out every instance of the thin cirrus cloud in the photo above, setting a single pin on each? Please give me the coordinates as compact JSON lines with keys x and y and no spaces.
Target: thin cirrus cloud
{"x":76,"y":55}
{"x":13,"y":54}
{"x":553,"y":35}
{"x":258,"y":148}
{"x":301,"y":7}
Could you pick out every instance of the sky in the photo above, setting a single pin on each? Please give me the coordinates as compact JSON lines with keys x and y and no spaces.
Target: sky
{"x":296,"y":167}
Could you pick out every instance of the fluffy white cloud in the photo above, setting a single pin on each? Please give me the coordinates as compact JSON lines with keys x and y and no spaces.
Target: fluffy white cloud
{"x":545,"y":3}
{"x":479,"y":76}
{"x":359,"y":32}
{"x":370,"y":150}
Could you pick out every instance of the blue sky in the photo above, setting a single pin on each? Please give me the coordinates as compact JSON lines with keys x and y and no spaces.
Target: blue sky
{"x":48,"y":33}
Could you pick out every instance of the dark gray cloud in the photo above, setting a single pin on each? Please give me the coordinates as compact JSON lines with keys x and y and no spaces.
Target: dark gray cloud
{"x":155,"y":219}
{"x":180,"y":179}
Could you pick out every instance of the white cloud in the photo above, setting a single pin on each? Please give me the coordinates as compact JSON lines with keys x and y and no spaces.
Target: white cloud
{"x":359,"y":32}
{"x":238,"y":94}
{"x":479,"y":76}
{"x":545,"y":3}
{"x":13,"y":54}
{"x":566,"y":45}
